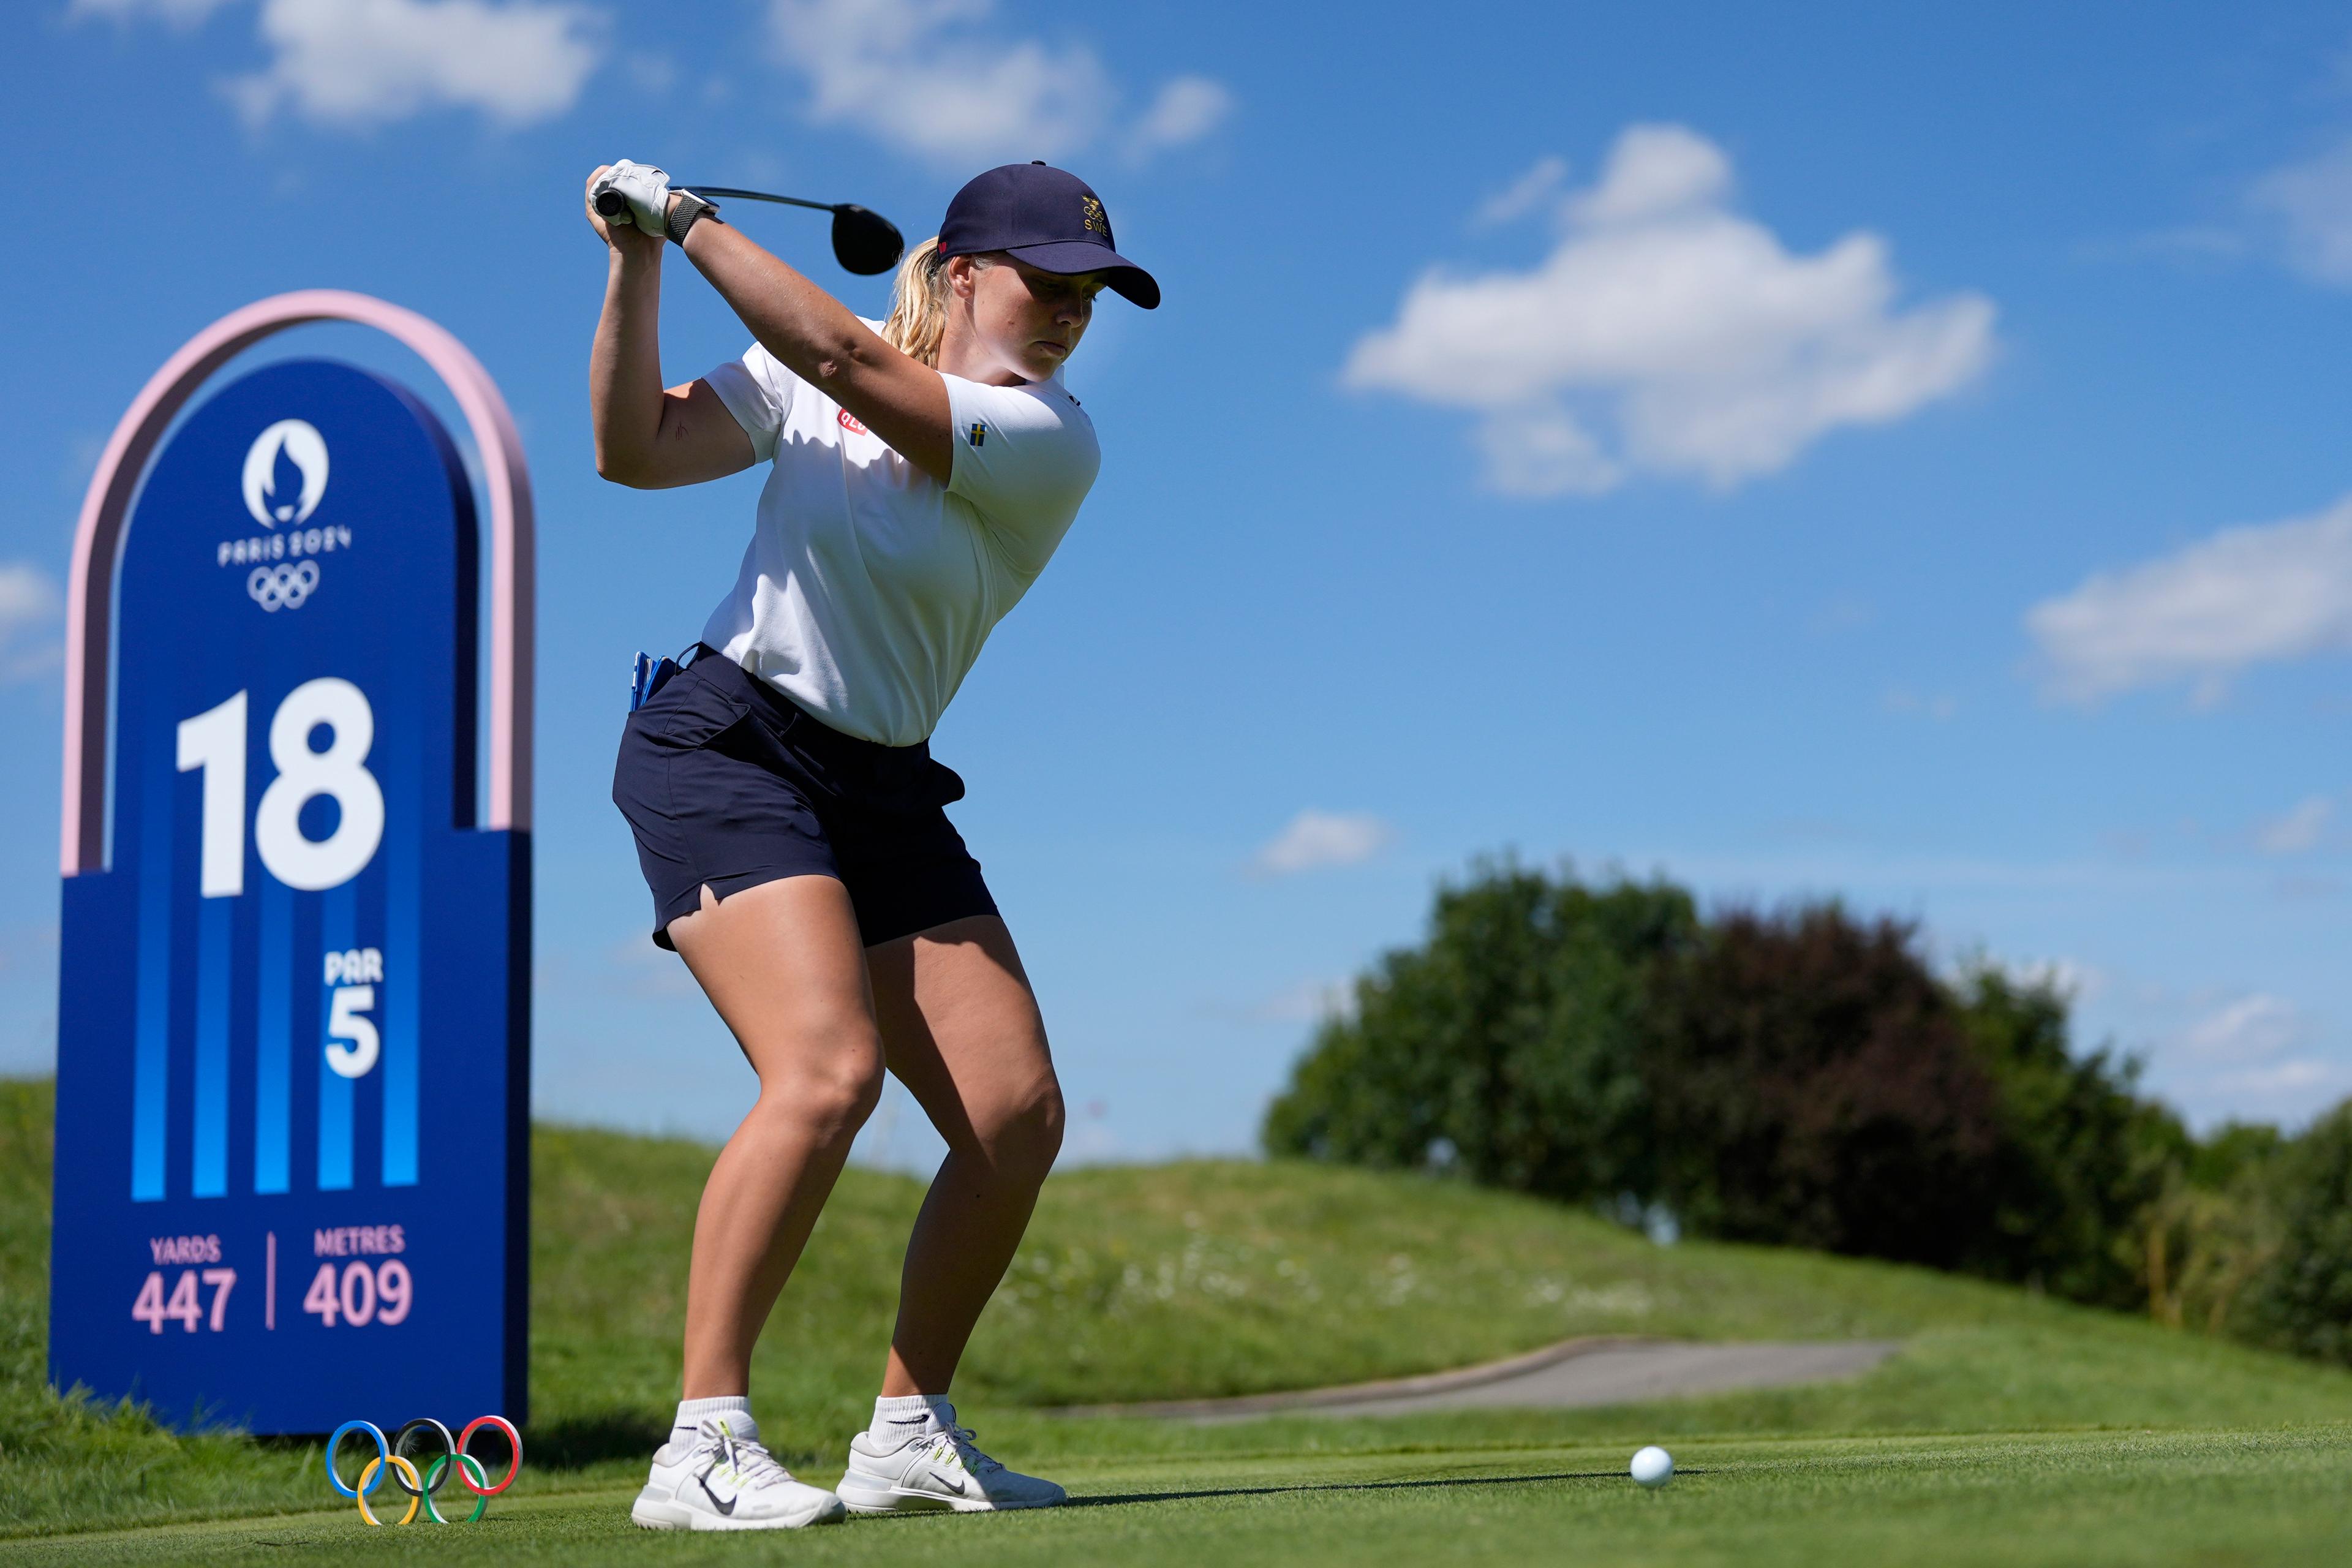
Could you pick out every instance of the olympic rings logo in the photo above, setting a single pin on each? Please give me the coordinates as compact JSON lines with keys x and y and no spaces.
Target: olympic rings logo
{"x":276,"y":587}
{"x":393,"y":1459}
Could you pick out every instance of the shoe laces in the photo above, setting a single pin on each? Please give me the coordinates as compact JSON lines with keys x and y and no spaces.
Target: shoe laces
{"x":752,"y":1464}
{"x":965,"y":1443}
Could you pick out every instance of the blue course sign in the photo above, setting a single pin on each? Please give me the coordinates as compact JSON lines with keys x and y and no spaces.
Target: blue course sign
{"x":293,"y":1043}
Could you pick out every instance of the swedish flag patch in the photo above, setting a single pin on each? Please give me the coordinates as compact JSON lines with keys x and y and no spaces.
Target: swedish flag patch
{"x":977,"y":434}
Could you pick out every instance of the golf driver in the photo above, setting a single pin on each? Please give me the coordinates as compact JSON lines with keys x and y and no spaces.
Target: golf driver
{"x":864,"y":242}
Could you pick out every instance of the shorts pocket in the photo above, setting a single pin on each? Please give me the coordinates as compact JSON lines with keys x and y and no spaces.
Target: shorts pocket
{"x":909,"y":787}
{"x":688,"y":713}
{"x":946,"y":785}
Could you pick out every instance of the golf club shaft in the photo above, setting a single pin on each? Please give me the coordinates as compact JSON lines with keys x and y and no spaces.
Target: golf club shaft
{"x":760,"y":197}
{"x":613,"y":204}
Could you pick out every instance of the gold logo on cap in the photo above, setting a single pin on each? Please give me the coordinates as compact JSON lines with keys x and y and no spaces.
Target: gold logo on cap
{"x":1097,"y":221}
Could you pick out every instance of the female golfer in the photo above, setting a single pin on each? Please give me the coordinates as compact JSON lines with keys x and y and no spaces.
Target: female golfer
{"x":786,"y":807}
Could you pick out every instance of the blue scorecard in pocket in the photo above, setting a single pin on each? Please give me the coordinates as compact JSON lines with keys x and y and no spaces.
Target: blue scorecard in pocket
{"x":649,"y":675}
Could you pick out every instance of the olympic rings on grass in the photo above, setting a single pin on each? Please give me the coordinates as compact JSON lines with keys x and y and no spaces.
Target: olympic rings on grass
{"x":394,"y":1459}
{"x":416,"y":1428}
{"x":416,"y":1489}
{"x":514,"y":1442}
{"x":435,"y":1480}
{"x":383,"y":1450}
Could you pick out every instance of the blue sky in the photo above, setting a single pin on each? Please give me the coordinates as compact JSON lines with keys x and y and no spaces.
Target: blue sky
{"x":1853,"y":451}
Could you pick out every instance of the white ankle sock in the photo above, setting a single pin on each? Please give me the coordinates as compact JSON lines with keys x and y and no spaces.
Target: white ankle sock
{"x":911,"y":1416}
{"x":736,"y":1408}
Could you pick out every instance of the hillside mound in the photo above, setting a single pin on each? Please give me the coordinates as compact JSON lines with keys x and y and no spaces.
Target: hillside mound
{"x":1181,"y":1281}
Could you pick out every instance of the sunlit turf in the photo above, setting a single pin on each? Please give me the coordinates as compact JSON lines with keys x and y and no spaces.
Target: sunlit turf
{"x":2080,"y":1500}
{"x":1199,"y":1279}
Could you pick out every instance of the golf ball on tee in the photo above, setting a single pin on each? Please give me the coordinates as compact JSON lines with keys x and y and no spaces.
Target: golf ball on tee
{"x":1654,"y":1467}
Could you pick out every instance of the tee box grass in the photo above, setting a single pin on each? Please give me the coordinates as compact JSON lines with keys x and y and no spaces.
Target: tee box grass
{"x":2010,"y":1428}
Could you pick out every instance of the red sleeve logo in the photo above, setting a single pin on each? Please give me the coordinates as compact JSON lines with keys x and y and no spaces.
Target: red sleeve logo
{"x":849,"y":421}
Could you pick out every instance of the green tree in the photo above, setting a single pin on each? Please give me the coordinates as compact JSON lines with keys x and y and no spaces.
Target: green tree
{"x":2302,"y":1299}
{"x":1508,"y":1046}
{"x":1814,"y":1085}
{"x":1798,"y":1078}
{"x":2082,"y":1157}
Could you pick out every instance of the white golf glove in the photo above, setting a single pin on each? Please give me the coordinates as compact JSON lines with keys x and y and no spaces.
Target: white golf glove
{"x":645,"y":188}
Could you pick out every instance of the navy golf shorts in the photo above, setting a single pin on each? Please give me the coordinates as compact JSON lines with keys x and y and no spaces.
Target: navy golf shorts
{"x":726,"y":784}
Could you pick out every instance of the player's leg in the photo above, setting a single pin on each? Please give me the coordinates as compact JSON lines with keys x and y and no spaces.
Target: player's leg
{"x":961,"y":1030}
{"x":783,"y":964}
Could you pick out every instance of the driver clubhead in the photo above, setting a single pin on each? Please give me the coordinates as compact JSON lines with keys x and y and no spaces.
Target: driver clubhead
{"x":865,"y":242}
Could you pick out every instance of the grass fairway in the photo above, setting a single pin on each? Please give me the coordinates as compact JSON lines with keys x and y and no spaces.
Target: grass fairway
{"x":2075,"y":1499}
{"x":2010,"y":1427}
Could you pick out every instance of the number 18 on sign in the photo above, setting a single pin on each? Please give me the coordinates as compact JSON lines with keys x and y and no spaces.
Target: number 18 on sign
{"x":293,"y":1034}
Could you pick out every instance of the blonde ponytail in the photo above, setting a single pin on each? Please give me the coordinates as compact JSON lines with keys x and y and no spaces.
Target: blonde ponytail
{"x":918,"y":304}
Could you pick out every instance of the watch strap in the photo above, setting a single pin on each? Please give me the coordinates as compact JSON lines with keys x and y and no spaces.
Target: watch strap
{"x":689,"y":210}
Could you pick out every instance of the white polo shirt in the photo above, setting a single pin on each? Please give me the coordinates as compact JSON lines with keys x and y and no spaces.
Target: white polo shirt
{"x":869,"y":587}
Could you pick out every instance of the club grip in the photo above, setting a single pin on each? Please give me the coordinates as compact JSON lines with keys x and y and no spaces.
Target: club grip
{"x":611,"y":204}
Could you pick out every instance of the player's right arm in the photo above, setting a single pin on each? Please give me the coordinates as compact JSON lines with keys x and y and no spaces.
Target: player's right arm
{"x":648,"y":437}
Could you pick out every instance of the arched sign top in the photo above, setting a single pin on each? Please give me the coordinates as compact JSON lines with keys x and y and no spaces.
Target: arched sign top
{"x":98,"y":545}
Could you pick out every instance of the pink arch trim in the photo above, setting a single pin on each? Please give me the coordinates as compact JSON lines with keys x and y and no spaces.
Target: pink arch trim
{"x":98,"y":543}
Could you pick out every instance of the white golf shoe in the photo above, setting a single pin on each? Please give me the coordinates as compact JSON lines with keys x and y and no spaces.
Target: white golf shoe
{"x":721,"y":1481}
{"x":935,"y":1466}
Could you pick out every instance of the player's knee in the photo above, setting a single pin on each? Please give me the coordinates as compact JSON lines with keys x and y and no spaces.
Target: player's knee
{"x":831,"y":1093}
{"x":859,"y":1090}
{"x":1025,"y":1134}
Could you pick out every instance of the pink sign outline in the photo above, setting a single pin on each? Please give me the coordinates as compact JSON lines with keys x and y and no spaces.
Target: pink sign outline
{"x":98,"y":544}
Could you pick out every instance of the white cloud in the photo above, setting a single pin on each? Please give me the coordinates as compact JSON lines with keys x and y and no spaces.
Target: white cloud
{"x":924,"y":77}
{"x":2257,"y":1057}
{"x":2311,"y":204}
{"x":29,"y":604}
{"x":2298,"y":830}
{"x":2298,"y":1077}
{"x":1666,"y":334}
{"x":1308,"y":1002}
{"x":1540,"y":450}
{"x":1187,"y":109}
{"x":1536,"y":189}
{"x":885,"y":67}
{"x":355,"y":63}
{"x":1655,"y":171}
{"x":2250,"y":1029}
{"x":2078,"y":982}
{"x":26,"y":595}
{"x":1314,"y":839}
{"x":2247,"y":595}
{"x":2288,"y":1092}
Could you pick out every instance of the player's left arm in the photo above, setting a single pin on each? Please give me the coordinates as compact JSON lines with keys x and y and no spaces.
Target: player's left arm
{"x":902,"y":400}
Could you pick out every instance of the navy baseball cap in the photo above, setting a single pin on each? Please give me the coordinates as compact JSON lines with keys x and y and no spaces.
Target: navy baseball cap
{"x":1045,"y":217}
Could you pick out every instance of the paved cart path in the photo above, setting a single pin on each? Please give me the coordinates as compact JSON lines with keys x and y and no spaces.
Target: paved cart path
{"x":1581,"y":1372}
